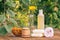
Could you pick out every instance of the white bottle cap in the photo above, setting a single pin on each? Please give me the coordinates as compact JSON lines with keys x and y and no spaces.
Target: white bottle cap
{"x":41,"y":12}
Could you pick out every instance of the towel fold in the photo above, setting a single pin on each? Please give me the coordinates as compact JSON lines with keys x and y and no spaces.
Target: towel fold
{"x":37,"y":35}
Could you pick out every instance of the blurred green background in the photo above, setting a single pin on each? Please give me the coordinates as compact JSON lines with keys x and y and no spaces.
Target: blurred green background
{"x":15,"y":13}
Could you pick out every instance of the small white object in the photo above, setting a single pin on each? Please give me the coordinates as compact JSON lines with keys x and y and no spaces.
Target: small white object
{"x":49,"y":32}
{"x":38,"y":31}
{"x":37,"y":35}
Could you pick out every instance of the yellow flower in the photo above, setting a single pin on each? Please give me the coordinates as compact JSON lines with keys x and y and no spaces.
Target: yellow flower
{"x":32,"y":7}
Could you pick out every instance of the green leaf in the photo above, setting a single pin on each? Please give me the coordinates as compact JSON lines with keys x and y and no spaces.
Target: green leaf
{"x":3,"y":31}
{"x":11,"y":13}
{"x":25,"y":1}
{"x":13,"y":21}
{"x":55,"y":16}
{"x":8,"y":28}
{"x":10,"y":3}
{"x":0,"y":0}
{"x":2,"y":18}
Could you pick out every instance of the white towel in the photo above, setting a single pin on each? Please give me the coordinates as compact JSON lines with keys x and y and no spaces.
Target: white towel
{"x":37,"y":35}
{"x":49,"y":32}
{"x":38,"y":31}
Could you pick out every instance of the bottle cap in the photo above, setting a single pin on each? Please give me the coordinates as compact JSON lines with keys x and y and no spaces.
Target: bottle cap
{"x":41,"y":12}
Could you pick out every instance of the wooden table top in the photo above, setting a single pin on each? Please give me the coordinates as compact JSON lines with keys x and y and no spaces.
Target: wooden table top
{"x":56,"y":37}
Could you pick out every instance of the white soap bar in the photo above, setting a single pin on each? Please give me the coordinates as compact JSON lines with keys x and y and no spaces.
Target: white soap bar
{"x":49,"y":32}
{"x":38,"y":31}
{"x":37,"y":35}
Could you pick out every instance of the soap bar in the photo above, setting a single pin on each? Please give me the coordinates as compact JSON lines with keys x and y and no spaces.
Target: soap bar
{"x":49,"y":32}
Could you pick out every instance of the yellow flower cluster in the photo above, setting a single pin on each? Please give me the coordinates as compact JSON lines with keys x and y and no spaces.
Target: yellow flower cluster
{"x":32,"y":8}
{"x":24,"y":18}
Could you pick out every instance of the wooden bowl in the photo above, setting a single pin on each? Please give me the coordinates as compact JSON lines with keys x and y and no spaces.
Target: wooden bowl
{"x":17,"y":31}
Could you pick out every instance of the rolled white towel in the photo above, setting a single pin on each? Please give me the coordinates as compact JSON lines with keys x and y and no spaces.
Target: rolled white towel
{"x":49,"y":32}
{"x":38,"y":31}
{"x":37,"y":35}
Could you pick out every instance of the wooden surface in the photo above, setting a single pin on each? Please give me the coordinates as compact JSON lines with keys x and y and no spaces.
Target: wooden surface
{"x":56,"y":37}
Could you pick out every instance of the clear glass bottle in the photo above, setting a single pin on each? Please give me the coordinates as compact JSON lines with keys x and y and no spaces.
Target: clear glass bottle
{"x":32,"y":26}
{"x":40,"y":20}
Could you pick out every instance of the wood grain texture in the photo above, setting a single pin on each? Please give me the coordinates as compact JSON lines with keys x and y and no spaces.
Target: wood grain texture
{"x":56,"y":37}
